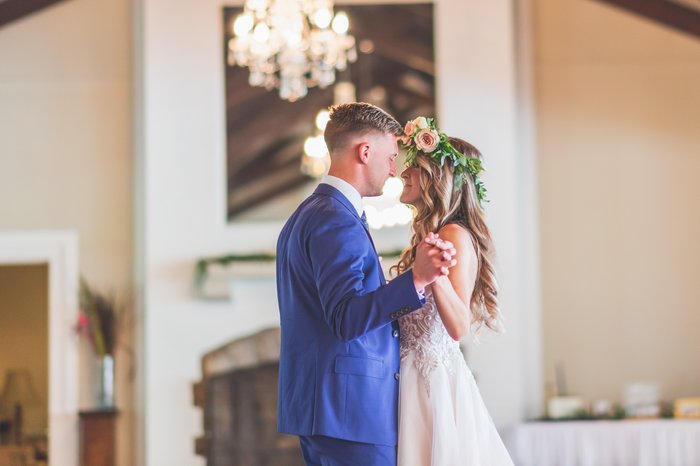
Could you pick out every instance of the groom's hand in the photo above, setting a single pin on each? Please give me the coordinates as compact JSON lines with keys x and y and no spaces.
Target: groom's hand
{"x":434,"y":257}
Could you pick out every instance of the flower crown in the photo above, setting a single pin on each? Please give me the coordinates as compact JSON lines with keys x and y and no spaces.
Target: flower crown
{"x":422,"y":135}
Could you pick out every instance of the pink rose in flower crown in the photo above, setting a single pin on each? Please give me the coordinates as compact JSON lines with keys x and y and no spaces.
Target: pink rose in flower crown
{"x":427,"y":140}
{"x":405,"y":140}
{"x":410,"y":128}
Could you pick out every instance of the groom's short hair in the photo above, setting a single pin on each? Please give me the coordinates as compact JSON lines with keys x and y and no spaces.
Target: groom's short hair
{"x":357,"y":118}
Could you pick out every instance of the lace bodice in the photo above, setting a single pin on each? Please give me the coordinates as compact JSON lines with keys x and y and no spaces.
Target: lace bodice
{"x":423,"y":333}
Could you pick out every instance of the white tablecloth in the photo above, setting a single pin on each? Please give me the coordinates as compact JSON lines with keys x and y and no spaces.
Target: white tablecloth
{"x":606,"y":443}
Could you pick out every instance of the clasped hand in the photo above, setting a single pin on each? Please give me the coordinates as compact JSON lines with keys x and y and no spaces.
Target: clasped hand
{"x":434,"y":257}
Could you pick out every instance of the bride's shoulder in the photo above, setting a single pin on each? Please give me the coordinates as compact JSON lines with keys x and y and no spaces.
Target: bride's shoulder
{"x":454,"y":232}
{"x":458,"y":235}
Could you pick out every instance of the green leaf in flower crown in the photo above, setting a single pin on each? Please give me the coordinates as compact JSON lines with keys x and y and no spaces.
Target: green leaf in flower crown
{"x":480,"y":191}
{"x":474,"y":165}
{"x":411,"y":155}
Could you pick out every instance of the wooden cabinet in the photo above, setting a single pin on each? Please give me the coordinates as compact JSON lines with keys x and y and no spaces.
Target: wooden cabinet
{"x":13,"y":455}
{"x":97,"y":437}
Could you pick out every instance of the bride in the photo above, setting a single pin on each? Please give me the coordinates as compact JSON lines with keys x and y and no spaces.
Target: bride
{"x":442,"y":418}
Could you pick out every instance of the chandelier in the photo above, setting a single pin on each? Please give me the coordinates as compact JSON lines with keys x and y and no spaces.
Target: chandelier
{"x":291,"y":44}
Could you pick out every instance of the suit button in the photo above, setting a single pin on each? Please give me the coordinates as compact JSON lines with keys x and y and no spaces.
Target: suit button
{"x":396,"y":375}
{"x":395,"y":333}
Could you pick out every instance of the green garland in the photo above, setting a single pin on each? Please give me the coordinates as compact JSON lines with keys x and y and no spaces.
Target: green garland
{"x":202,"y":265}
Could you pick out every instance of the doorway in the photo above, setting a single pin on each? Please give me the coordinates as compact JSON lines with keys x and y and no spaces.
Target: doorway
{"x":38,"y":350}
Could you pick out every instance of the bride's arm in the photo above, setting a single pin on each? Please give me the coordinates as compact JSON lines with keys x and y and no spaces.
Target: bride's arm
{"x":453,"y":292}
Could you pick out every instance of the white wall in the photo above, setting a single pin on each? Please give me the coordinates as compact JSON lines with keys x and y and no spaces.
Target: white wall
{"x":182,"y":177}
{"x":65,"y":145}
{"x":477,"y":83}
{"x":619,"y":124}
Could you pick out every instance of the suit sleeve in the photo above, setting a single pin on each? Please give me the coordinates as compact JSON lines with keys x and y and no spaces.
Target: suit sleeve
{"x":337,"y":251}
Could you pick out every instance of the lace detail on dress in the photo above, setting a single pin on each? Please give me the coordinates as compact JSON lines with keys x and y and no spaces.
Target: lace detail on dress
{"x":423,"y":333}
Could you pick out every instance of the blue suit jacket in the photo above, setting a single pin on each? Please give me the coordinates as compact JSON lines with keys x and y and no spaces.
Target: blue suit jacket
{"x":339,"y":359}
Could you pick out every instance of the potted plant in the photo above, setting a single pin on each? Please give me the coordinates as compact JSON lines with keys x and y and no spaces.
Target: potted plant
{"x":100,"y":318}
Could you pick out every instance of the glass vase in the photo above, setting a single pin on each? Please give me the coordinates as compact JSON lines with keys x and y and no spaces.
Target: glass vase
{"x":105,"y":392}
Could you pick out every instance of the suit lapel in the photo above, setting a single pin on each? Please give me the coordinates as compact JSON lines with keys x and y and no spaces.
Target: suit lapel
{"x":328,"y":190}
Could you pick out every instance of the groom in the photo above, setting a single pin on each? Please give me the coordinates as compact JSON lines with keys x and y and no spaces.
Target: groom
{"x":339,"y":360}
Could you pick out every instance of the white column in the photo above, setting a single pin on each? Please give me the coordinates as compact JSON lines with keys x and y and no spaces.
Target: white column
{"x":478,"y":100}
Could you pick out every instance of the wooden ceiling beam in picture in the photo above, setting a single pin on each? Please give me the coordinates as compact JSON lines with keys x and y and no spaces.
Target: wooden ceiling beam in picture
{"x":681,"y":16}
{"x":12,"y":10}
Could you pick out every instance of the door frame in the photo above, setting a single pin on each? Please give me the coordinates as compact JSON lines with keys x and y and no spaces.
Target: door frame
{"x":59,"y":251}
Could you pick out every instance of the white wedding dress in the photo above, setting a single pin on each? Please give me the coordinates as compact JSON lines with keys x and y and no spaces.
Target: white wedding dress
{"x":442,"y":419}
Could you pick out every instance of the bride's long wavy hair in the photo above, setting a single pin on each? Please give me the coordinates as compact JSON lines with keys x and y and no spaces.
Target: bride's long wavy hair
{"x":442,"y":205}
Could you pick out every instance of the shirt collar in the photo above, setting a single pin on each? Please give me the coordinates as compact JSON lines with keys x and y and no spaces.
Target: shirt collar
{"x":347,"y":190}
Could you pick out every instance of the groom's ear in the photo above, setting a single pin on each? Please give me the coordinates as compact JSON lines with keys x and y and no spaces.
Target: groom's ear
{"x":363,"y":151}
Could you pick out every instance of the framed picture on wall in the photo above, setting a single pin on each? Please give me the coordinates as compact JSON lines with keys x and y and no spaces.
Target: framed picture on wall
{"x":395,"y":69}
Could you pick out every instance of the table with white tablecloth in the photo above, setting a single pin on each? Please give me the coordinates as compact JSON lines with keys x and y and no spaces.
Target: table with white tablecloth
{"x":656,"y":442}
